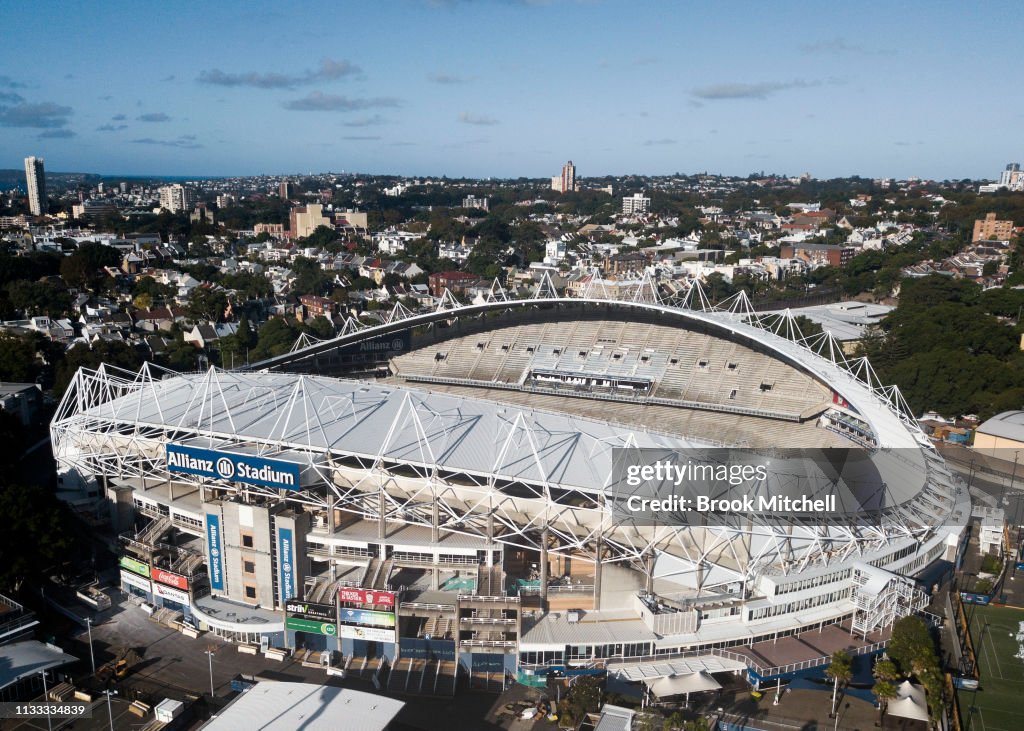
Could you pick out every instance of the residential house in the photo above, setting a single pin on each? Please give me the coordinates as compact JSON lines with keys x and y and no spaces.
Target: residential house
{"x":454,"y":281}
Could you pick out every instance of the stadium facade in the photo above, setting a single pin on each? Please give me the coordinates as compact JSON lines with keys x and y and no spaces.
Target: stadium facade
{"x":435,"y":487}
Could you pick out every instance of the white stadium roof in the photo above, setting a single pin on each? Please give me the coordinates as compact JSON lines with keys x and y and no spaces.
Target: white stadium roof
{"x":301,"y":418}
{"x":289,"y":414}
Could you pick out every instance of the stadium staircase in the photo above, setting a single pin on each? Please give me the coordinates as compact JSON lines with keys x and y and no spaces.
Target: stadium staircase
{"x":490,"y":581}
{"x":152,"y":533}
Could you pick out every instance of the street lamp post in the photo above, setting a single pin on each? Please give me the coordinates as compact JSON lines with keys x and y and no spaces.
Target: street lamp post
{"x":1013,"y":477}
{"x":49,"y":721}
{"x":92,"y":658}
{"x":210,"y":654}
{"x":110,"y":711}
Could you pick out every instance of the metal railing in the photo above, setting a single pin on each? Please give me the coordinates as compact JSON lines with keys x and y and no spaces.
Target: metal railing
{"x":748,"y":661}
{"x":482,"y":598}
{"x":428,"y":606}
{"x":487,"y":643}
{"x":598,"y":396}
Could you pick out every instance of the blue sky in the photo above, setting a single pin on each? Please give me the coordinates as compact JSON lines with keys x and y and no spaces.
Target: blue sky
{"x":507,"y":88}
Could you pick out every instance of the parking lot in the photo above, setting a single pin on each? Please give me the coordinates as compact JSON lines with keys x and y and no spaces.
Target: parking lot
{"x":172,"y":665}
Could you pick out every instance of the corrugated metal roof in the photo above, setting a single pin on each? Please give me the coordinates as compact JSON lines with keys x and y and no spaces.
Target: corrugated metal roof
{"x":1007,"y":425}
{"x":273,"y":706}
{"x":31,"y":657}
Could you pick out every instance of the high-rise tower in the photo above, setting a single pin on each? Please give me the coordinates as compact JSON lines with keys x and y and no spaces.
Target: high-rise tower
{"x":35,"y":181}
{"x":567,"y":180}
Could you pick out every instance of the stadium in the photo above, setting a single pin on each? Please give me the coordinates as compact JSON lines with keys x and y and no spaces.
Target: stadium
{"x":430,"y":494}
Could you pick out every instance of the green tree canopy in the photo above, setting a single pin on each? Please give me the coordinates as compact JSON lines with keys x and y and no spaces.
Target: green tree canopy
{"x":40,"y":536}
{"x":115,"y":353}
{"x":276,"y":337}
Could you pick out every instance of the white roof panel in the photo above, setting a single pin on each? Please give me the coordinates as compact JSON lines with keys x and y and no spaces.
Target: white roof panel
{"x":272,"y":706}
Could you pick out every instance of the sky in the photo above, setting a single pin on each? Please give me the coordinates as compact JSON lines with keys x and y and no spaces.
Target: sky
{"x":509,"y":88}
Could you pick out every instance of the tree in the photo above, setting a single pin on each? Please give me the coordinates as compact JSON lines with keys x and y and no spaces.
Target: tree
{"x":310,"y":278}
{"x":320,"y":327}
{"x":37,"y":519}
{"x":275,"y":338}
{"x":885,"y":669}
{"x":322,"y":236}
{"x":840,"y":669}
{"x":584,"y":697}
{"x":117,"y":354}
{"x":84,"y":268}
{"x":206,"y":303}
{"x":18,"y":362}
{"x":885,"y":672}
{"x":244,"y":334}
{"x":180,"y":356}
{"x":647,"y":720}
{"x":34,"y":298}
{"x":674,"y":722}
{"x":885,"y":692}
{"x":911,"y":645}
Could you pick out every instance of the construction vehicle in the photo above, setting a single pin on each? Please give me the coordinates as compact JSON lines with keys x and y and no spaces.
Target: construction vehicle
{"x":117,"y":669}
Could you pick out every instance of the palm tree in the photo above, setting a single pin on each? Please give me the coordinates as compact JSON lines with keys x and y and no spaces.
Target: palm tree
{"x":885,"y":692}
{"x":840,"y":670}
{"x":885,"y":672}
{"x":885,"y":669}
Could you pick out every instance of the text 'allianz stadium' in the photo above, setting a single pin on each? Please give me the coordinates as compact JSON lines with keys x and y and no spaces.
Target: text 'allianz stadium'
{"x":461,"y":457}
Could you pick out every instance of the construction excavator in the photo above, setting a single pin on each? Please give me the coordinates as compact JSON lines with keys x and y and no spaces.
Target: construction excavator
{"x":118,"y":668}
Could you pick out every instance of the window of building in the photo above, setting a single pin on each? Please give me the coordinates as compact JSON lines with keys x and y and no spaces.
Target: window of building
{"x":249,"y":567}
{"x":250,"y":592}
{"x":247,"y":540}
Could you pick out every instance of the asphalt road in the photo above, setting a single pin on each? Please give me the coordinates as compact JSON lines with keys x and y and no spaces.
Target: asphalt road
{"x":175,"y":666}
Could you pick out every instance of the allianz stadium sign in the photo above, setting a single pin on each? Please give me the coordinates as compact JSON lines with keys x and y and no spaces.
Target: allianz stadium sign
{"x":244,"y":468}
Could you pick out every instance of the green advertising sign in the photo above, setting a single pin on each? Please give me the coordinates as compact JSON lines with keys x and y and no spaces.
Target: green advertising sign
{"x":136,"y":567}
{"x":307,"y":625}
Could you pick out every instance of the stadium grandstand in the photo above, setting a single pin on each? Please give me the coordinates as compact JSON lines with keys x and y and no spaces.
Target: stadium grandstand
{"x":427,"y":498}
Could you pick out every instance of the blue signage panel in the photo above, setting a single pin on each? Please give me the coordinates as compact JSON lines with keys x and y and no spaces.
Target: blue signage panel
{"x":245,"y":468}
{"x":213,"y":549}
{"x":367,"y":617}
{"x":286,"y":560}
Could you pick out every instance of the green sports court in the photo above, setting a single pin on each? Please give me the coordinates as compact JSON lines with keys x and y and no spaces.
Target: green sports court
{"x":999,"y":701}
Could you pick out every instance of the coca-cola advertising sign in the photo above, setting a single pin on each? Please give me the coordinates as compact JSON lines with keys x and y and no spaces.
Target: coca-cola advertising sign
{"x":367,"y":596}
{"x":166,"y":577}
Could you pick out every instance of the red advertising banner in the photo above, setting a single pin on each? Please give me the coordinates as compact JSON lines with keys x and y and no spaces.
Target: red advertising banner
{"x":166,"y":577}
{"x":367,"y":596}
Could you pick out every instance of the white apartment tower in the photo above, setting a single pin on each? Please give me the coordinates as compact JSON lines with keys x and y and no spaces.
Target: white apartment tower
{"x":471,"y":201}
{"x":35,"y":182}
{"x":1012,"y":178}
{"x":567,"y":180}
{"x":175,"y":198}
{"x":635,"y":204}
